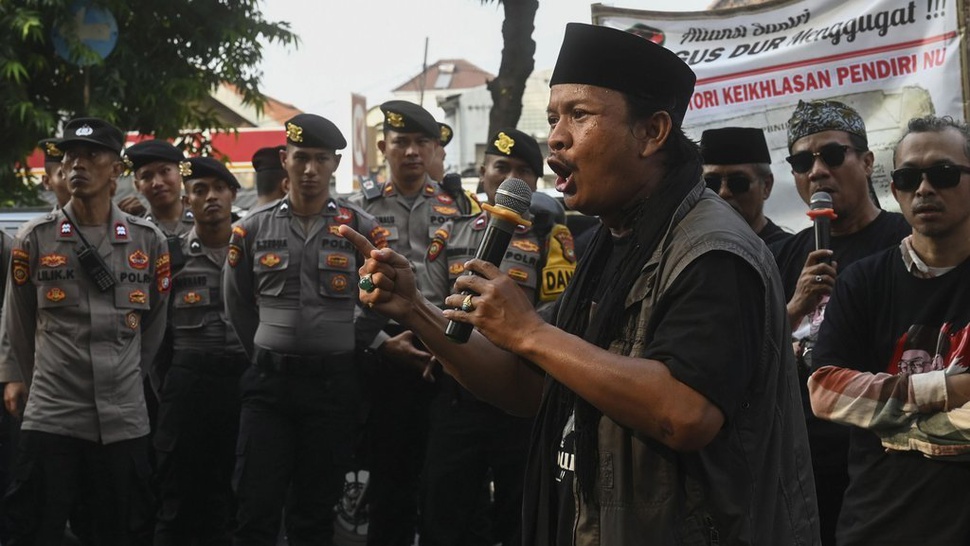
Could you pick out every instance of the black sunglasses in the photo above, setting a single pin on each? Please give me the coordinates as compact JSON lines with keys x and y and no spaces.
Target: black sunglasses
{"x":737,"y":183}
{"x":939,"y":176}
{"x":832,"y":154}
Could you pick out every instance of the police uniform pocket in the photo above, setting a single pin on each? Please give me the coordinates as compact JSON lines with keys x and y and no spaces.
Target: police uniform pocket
{"x":393,"y":233}
{"x":51,"y":296}
{"x":336,"y":272}
{"x":270,"y":271}
{"x":190,"y":309}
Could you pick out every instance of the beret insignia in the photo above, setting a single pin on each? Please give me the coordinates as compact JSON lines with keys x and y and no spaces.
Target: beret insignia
{"x":294,"y":132}
{"x":395,"y":120}
{"x":185,"y":168}
{"x":504,"y":143}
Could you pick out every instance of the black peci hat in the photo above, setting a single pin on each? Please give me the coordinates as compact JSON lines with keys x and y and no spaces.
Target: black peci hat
{"x":268,"y":159}
{"x":734,"y":146}
{"x":200,"y":167}
{"x":406,"y":117}
{"x":313,"y":131}
{"x":92,"y":131}
{"x":618,"y":60}
{"x":511,"y":142}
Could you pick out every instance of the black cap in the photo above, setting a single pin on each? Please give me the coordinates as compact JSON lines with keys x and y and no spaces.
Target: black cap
{"x":148,"y":151}
{"x":268,"y":159}
{"x":313,"y":131}
{"x":446,"y":133}
{"x":625,"y":62}
{"x":92,"y":131}
{"x":200,"y":167}
{"x":52,"y":154}
{"x":406,"y":117}
{"x":734,"y":146}
{"x":511,"y":142}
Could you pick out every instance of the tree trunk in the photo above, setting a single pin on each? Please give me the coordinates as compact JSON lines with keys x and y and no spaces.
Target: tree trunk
{"x":518,"y":61}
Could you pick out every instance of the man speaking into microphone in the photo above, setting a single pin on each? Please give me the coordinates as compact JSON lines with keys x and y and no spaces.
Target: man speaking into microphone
{"x":829,"y":154}
{"x":666,"y":411}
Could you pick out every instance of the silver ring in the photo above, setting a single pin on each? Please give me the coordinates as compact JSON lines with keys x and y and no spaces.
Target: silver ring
{"x":366,"y":283}
{"x":466,"y":304}
{"x":818,"y":278}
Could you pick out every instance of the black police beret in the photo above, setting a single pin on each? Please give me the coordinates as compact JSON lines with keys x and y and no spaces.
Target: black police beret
{"x":734,"y":146}
{"x":511,"y":142}
{"x":92,"y":131}
{"x":446,"y":133}
{"x":148,"y":151}
{"x":268,"y":159}
{"x":406,"y":117}
{"x":200,"y":167}
{"x":52,"y":154}
{"x":313,"y":131}
{"x":625,"y":62}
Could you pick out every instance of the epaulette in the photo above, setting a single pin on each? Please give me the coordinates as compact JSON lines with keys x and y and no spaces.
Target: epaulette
{"x":139,"y":221}
{"x":371,"y":190}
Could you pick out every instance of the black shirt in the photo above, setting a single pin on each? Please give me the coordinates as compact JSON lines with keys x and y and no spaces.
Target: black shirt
{"x":878,"y":317}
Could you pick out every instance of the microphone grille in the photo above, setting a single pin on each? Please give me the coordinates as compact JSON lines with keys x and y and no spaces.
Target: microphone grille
{"x":820,"y":200}
{"x":514,"y":194}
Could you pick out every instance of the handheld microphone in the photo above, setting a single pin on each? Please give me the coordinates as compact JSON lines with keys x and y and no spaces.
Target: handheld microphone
{"x":512,"y":200}
{"x":821,"y":212}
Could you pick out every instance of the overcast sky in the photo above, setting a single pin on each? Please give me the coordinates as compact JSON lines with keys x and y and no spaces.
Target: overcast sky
{"x":372,"y":46}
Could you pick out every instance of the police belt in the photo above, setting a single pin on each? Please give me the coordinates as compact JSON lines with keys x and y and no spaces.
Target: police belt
{"x":303,"y":365}
{"x":211,"y":363}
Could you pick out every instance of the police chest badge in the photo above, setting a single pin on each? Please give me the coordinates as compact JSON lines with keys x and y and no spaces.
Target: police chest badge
{"x":525,"y":245}
{"x":444,"y":198}
{"x":20,"y":266}
{"x":519,"y":275}
{"x":137,"y":296}
{"x":270,"y":260}
{"x":55,"y":295}
{"x":133,"y":319}
{"x":338,"y":283}
{"x":448,"y":211}
{"x":53,"y":260}
{"x":138,"y":259}
{"x":337,"y":260}
{"x":456,"y":269}
{"x":192,"y":298}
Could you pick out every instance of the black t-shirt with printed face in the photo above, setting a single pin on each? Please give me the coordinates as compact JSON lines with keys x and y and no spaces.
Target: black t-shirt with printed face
{"x":709,"y":334}
{"x":881,"y":318}
{"x":829,"y":441}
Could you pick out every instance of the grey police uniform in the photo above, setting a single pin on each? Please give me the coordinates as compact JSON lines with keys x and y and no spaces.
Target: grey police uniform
{"x":198,"y":416}
{"x":470,"y":440}
{"x":398,"y":422}
{"x":82,"y":352}
{"x":184,"y":225}
{"x":292,"y":299}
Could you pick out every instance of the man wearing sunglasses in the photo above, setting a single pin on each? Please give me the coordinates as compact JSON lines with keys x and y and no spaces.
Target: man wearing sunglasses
{"x":737,"y":166}
{"x":909,"y":424}
{"x":829,"y":152}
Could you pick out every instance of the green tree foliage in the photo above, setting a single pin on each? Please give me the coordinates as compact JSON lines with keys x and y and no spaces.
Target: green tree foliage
{"x":170,"y":54}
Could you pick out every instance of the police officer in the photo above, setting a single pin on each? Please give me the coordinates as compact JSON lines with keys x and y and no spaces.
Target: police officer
{"x":86,"y":308}
{"x":468,"y":438}
{"x":290,"y":289}
{"x":198,"y":414}
{"x":158,"y":167}
{"x":53,"y":178}
{"x":436,"y":170}
{"x":270,"y":176}
{"x":410,"y":206}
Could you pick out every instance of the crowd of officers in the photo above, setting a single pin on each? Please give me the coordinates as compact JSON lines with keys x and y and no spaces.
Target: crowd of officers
{"x":176,"y":375}
{"x":180,"y":376}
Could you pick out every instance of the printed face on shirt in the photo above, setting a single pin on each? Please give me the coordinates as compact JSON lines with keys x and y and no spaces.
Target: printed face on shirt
{"x":932,"y":211}
{"x":408,"y":155}
{"x":847,"y":183}
{"x":210,"y":200}
{"x":91,"y":170}
{"x":160,"y":183}
{"x":309,"y":171}
{"x":497,"y":169}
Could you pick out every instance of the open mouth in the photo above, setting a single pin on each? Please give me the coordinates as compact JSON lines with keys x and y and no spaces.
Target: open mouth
{"x":564,"y":174}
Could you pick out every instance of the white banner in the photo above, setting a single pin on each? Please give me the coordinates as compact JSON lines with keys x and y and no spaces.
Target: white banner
{"x":891,"y":60}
